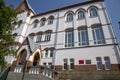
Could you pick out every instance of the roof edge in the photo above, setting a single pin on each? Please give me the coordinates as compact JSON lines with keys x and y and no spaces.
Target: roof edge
{"x":66,"y":7}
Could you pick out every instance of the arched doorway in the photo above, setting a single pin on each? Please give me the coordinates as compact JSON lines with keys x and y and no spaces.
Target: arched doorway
{"x":36,"y":60}
{"x":22,"y":57}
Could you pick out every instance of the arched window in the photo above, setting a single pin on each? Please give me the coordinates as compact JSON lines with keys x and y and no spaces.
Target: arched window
{"x":81,"y":14}
{"x":69,"y":17}
{"x":93,"y":12}
{"x":22,"y":57}
{"x":42,"y":23}
{"x":35,"y":23}
{"x":36,"y":60}
{"x":50,"y":20}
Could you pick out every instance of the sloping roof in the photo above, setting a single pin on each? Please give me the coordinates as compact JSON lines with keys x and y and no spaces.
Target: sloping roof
{"x":25,"y":6}
{"x":66,"y":7}
{"x":33,"y":46}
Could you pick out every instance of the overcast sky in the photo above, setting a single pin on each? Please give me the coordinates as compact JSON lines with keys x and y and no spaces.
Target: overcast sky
{"x":40,"y":6}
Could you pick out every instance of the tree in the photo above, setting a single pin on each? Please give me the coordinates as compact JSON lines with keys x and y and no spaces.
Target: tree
{"x":7,"y":18}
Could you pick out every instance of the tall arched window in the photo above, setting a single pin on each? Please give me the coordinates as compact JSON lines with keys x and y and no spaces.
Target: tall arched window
{"x":81,"y":14}
{"x":50,"y":20}
{"x":35,"y":23}
{"x":42,"y":23}
{"x":93,"y":12}
{"x":69,"y":17}
{"x":48,"y":35}
{"x":22,"y":57}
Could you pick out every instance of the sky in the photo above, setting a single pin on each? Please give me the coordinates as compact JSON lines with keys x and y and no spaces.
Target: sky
{"x":40,"y":6}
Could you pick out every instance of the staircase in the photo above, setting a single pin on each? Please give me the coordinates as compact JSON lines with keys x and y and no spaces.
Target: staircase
{"x":27,"y":76}
{"x":31,"y":73}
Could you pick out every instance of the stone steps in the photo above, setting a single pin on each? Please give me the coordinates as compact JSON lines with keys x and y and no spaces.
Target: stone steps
{"x":18,"y":76}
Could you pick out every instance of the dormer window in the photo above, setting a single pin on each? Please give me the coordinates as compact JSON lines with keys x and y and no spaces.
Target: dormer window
{"x":81,"y":15}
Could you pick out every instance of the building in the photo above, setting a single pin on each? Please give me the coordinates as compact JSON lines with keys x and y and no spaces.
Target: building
{"x":76,"y":37}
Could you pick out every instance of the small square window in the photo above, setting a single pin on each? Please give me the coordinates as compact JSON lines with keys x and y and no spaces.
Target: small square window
{"x":81,"y":61}
{"x":88,"y":61}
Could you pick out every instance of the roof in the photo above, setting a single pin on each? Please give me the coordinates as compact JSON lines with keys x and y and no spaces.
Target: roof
{"x":71,"y":6}
{"x":25,"y":6}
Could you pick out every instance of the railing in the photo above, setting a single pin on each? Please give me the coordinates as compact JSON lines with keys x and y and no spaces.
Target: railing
{"x":4,"y":74}
{"x":18,"y":68}
{"x":41,"y":70}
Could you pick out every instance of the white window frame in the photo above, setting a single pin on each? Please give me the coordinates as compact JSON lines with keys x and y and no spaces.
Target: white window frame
{"x":81,"y":15}
{"x":107,"y":61}
{"x":82,"y":31}
{"x":69,"y":38}
{"x":69,"y":17}
{"x":93,"y":12}
{"x":98,"y":35}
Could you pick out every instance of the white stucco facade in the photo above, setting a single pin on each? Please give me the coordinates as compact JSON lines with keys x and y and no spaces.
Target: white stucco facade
{"x":57,"y":39}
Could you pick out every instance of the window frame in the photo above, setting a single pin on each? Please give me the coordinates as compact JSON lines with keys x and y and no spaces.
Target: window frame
{"x":42,"y":22}
{"x":50,"y":20}
{"x":93,"y":12}
{"x":99,"y":63}
{"x":107,"y":61}
{"x":98,"y":35}
{"x":39,"y":37}
{"x":69,"y":17}
{"x":69,"y":38}
{"x":47,"y":36}
{"x":83,"y":37}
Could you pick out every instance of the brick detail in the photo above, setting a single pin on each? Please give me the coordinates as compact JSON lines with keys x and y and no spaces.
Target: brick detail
{"x":88,"y":67}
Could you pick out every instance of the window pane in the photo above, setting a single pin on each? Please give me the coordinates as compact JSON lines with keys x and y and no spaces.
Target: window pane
{"x":69,"y":17}
{"x":98,"y":35}
{"x":93,"y":12}
{"x":71,"y":65}
{"x":99,"y":65}
{"x":83,"y":36}
{"x":69,"y":38}
{"x":88,"y":61}
{"x":81,"y":15}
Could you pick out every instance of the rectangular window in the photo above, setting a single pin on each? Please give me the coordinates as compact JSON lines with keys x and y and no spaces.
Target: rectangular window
{"x":81,"y":61}
{"x":107,"y":63}
{"x":88,"y":61}
{"x":51,"y":53}
{"x":98,"y":35}
{"x":69,"y":38}
{"x":46,"y":53}
{"x":47,"y":36}
{"x":39,"y":38}
{"x":72,"y":63}
{"x":99,"y":63}
{"x":50,"y":65}
{"x":65,"y":64}
{"x":83,"y":36}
